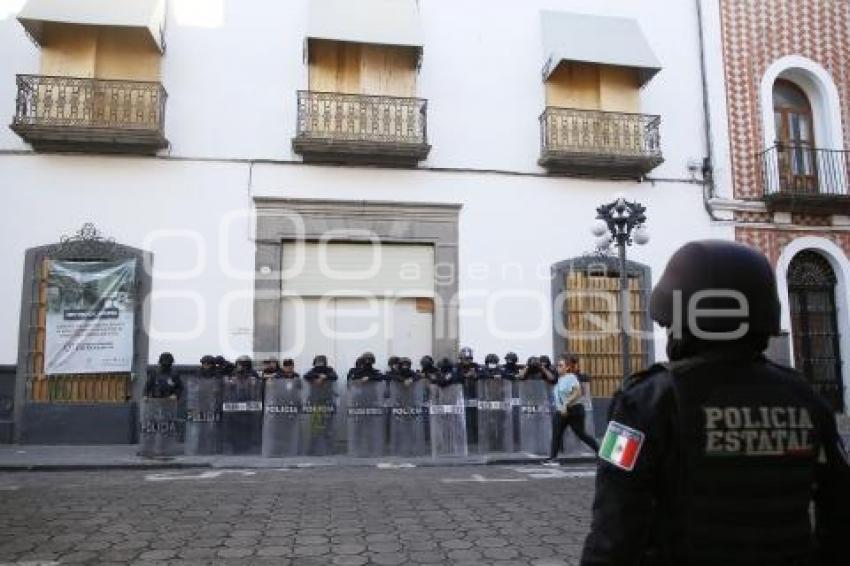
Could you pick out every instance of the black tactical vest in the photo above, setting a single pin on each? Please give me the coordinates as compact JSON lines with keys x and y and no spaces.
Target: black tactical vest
{"x":746,"y":445}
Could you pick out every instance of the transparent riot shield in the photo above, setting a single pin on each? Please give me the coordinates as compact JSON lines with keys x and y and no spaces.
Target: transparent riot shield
{"x":159,"y":429}
{"x":203,"y":415}
{"x":242,"y":415}
{"x":407,"y":411}
{"x":318,"y":419}
{"x":495,"y":416}
{"x":447,"y":421}
{"x":470,"y":393}
{"x":571,"y":445}
{"x":366,"y":419}
{"x":535,"y":414}
{"x":281,"y":414}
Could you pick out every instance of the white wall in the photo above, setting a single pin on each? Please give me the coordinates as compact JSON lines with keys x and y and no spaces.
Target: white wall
{"x":232,"y":69}
{"x":190,"y":215}
{"x":529,"y":223}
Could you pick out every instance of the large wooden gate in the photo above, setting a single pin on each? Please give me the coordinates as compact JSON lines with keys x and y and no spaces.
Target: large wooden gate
{"x":590,"y":310}
{"x":87,"y":245}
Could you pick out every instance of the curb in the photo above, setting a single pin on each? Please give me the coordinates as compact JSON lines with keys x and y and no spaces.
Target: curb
{"x":352,"y":463}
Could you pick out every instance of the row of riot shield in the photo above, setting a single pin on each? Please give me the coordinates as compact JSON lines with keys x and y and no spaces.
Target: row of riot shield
{"x":282,"y":417}
{"x":278,"y":418}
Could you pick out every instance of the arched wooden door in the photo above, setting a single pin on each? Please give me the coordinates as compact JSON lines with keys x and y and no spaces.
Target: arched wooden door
{"x":811,"y":293}
{"x":795,"y":138}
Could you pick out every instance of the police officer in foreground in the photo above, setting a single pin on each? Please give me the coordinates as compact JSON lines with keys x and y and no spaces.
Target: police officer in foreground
{"x":716,"y":457}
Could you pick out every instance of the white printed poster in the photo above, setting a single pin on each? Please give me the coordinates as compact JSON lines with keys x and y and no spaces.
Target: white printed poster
{"x":90,"y":309}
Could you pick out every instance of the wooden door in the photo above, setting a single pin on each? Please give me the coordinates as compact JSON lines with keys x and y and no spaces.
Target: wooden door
{"x":797,"y":155}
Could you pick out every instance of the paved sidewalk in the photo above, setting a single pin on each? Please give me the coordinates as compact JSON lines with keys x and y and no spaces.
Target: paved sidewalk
{"x":15,"y":457}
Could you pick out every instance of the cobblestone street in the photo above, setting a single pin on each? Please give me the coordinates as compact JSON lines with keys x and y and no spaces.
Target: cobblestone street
{"x":344,"y":516}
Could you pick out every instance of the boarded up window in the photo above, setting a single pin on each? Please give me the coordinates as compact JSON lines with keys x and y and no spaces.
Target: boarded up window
{"x":592,"y":323}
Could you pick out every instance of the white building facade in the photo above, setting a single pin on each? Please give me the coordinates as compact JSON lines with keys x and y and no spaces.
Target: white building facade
{"x":431,"y":187}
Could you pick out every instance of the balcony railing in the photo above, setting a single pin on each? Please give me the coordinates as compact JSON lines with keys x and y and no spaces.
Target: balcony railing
{"x":361,"y":128}
{"x":68,"y":113}
{"x":597,"y":143}
{"x":801,"y":178}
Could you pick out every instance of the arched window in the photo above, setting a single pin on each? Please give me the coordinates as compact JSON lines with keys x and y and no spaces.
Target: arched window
{"x":811,"y":295}
{"x":795,"y":138}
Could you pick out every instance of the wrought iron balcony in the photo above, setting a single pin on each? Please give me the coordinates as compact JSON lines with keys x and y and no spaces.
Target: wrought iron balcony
{"x":79,"y":114}
{"x":356,"y":128}
{"x":599,"y":144}
{"x":799,"y":178}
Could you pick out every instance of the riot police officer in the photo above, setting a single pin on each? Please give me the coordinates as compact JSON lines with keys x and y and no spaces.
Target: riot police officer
{"x":364,"y":369}
{"x":427,"y":369}
{"x":491,"y":369}
{"x":404,"y":372}
{"x":321,"y":371}
{"x":446,"y":374}
{"x":511,"y":369}
{"x":716,"y":457}
{"x":163,"y":382}
{"x":244,"y":368}
{"x":208,"y":368}
{"x":271,"y":369}
{"x":550,"y":374}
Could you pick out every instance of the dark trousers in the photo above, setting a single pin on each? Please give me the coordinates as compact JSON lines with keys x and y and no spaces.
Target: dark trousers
{"x":575,"y":420}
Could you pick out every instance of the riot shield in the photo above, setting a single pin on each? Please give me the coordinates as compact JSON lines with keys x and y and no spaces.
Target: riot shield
{"x":366,"y":419}
{"x":203,"y":415}
{"x":447,"y":421}
{"x":407,"y":418}
{"x":242,"y":415}
{"x":318,"y":419}
{"x":495,"y":416}
{"x":159,"y":428}
{"x":281,"y":410}
{"x":535,"y":414}
{"x":571,"y":445}
{"x":470,"y":393}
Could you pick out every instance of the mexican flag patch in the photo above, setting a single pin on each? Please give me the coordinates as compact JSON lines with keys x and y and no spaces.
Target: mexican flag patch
{"x":621,"y":446}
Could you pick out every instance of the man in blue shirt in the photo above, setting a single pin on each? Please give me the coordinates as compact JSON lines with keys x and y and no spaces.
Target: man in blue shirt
{"x":569,"y":409}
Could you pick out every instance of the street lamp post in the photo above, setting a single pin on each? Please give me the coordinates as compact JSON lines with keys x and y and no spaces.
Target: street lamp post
{"x":622,"y":222}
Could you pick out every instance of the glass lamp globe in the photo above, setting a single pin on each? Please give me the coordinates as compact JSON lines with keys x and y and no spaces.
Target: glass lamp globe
{"x":641,"y":236}
{"x":599,"y":228}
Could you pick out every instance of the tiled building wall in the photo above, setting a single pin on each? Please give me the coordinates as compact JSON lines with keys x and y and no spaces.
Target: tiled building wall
{"x":755,"y":34}
{"x":772,"y":242}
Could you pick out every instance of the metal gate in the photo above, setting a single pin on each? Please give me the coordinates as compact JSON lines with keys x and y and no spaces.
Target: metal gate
{"x":811,"y":296}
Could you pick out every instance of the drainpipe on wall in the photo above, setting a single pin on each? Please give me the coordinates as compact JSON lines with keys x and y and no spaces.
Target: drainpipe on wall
{"x":708,"y":187}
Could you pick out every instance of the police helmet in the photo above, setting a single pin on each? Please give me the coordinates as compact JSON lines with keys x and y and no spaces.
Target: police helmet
{"x":392,"y":361}
{"x":244,"y":361}
{"x":445,"y":365}
{"x":491,"y":359}
{"x":465,"y":354}
{"x":166,"y":359}
{"x":405,"y":363}
{"x":368,"y":358}
{"x":511,"y":358}
{"x":320,"y":361}
{"x":427,"y":362}
{"x":716,"y":276}
{"x":207,"y":360}
{"x":533,"y":362}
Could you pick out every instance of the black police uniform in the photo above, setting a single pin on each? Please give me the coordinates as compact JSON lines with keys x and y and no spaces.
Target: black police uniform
{"x":734,"y":450}
{"x":163,"y":383}
{"x":316,"y":371}
{"x":715,"y":458}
